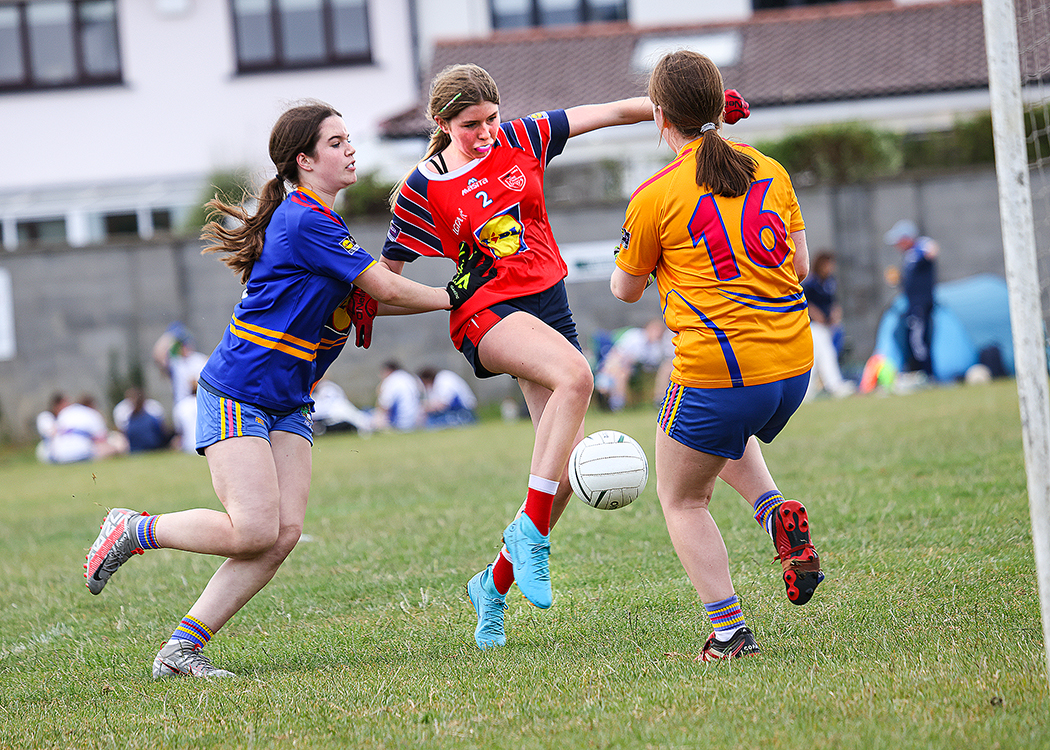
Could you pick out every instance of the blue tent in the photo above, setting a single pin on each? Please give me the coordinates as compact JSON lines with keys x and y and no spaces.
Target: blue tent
{"x":970,"y":316}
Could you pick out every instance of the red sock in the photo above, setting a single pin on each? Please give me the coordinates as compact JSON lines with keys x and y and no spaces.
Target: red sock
{"x":502,"y":573}
{"x":539,"y":501}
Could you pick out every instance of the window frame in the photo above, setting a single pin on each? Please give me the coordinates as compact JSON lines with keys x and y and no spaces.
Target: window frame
{"x":278,"y":61}
{"x":82,"y":76}
{"x":535,"y":15}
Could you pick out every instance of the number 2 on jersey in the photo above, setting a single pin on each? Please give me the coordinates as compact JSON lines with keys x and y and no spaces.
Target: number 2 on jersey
{"x":763,"y":232}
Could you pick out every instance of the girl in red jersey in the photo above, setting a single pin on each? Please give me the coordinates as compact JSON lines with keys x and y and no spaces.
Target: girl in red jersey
{"x":481,"y":184}
{"x":722,"y":230}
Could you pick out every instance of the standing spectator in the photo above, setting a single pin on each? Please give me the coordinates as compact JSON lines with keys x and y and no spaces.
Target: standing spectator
{"x":177,"y":357}
{"x":399,"y":403}
{"x":918,"y":275}
{"x":447,"y":399}
{"x":722,"y":230}
{"x":184,"y":420}
{"x":825,"y":319}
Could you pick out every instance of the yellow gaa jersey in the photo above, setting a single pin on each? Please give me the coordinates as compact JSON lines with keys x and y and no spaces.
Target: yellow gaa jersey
{"x":725,"y":271}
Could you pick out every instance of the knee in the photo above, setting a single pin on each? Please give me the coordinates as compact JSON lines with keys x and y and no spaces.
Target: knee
{"x":287,"y":538}
{"x":580,"y":380}
{"x":256,"y":539}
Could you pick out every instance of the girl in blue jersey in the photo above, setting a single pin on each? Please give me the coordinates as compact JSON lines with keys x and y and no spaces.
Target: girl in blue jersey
{"x":305,"y":280}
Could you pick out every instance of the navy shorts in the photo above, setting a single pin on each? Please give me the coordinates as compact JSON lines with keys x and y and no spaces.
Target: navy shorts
{"x":551,"y":306}
{"x":221,"y":418}
{"x":719,"y":421}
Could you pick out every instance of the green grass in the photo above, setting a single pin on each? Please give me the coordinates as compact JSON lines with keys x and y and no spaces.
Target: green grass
{"x":925,"y":634}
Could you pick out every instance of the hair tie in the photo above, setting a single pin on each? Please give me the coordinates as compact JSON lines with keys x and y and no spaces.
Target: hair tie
{"x":278,"y":177}
{"x":707,"y":126}
{"x":450,"y":101}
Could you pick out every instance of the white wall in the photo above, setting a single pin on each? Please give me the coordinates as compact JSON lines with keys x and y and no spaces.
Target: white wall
{"x":182,"y":110}
{"x":673,"y":12}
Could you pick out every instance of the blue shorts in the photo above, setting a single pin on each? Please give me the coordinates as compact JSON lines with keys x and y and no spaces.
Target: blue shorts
{"x":221,"y":417}
{"x":551,"y":306}
{"x":719,"y":421}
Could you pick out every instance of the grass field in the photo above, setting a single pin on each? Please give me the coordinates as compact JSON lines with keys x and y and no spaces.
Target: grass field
{"x":925,"y":634}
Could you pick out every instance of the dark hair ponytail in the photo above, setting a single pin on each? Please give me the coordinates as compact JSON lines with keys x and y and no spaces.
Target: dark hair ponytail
{"x":688,"y":88}
{"x":295,"y":132}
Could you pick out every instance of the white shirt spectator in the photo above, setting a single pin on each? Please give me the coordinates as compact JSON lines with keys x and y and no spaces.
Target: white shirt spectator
{"x":78,"y":429}
{"x":450,"y":391}
{"x":400,"y":399}
{"x":184,"y":417}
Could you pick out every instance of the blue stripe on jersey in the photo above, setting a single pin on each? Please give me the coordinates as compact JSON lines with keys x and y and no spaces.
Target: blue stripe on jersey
{"x":420,"y":236}
{"x":790,"y":303}
{"x":735,"y":376}
{"x":418,"y":183}
{"x":532,"y":130}
{"x":512,"y":137}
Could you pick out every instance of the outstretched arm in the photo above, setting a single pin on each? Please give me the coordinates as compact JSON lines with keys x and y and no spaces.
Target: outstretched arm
{"x":588,"y":117}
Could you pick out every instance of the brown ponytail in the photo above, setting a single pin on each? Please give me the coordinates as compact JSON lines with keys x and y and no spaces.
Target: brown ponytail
{"x":453,"y":90}
{"x":295,"y":132}
{"x":688,"y":88}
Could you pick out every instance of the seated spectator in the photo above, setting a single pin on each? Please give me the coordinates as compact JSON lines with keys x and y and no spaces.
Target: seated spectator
{"x":447,"y":399}
{"x":122,"y":411}
{"x":399,"y":402}
{"x":635,"y":352}
{"x":80,"y":433}
{"x":145,"y":431}
{"x":334,"y":411}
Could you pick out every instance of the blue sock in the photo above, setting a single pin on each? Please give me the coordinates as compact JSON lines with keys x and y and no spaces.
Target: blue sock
{"x":193,"y":630}
{"x":764,"y":508}
{"x":726,"y":617}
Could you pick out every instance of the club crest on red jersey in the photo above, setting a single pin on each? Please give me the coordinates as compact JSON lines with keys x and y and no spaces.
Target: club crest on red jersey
{"x":514,"y":178}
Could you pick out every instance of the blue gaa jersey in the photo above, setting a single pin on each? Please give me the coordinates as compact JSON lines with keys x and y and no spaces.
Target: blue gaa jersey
{"x":292,"y":320}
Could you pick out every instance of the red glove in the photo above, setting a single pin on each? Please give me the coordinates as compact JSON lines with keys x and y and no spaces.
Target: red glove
{"x":362,"y":314}
{"x":736,"y":108}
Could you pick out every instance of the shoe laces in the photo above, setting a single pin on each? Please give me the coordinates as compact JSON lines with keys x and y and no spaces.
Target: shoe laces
{"x":541,"y":559}
{"x":197,"y":661}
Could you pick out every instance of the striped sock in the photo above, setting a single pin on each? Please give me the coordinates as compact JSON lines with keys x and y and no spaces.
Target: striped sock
{"x":726,"y":617}
{"x":764,"y":508}
{"x":144,"y":532}
{"x":193,"y":630}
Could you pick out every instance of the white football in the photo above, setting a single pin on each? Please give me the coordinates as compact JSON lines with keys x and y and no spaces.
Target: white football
{"x":608,"y":470}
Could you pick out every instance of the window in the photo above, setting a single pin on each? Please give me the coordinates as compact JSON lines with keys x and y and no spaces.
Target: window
{"x":764,"y":4}
{"x":41,"y":232}
{"x":53,"y":43}
{"x":516,"y":14}
{"x":280,"y":34}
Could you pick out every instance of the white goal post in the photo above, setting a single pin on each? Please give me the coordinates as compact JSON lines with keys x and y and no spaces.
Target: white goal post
{"x":1022,"y":278}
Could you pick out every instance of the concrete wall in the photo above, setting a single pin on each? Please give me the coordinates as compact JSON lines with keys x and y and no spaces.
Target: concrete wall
{"x":77,"y":311}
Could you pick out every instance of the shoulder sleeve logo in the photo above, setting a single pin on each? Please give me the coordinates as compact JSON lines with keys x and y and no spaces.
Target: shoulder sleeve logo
{"x":350,"y":244}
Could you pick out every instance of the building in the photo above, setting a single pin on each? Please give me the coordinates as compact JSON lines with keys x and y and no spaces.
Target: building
{"x":116,"y":113}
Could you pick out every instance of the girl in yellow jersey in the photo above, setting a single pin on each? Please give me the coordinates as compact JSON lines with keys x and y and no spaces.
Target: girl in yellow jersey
{"x":721,"y":229}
